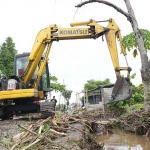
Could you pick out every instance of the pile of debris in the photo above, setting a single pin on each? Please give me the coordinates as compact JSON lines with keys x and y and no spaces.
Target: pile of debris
{"x":75,"y":131}
{"x":64,"y":132}
{"x":137,"y":122}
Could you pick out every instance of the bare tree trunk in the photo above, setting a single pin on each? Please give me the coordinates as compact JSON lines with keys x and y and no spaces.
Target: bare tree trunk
{"x":145,"y":69}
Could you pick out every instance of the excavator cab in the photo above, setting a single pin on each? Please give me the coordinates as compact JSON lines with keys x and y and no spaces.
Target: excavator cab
{"x":20,"y":62}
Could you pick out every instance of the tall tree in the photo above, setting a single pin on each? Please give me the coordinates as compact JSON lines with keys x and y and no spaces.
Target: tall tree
{"x":67,"y":94}
{"x":7,"y":53}
{"x":145,"y":69}
{"x":55,"y":86}
{"x":92,"y":84}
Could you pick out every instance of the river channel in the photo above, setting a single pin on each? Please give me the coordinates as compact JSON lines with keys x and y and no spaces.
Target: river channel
{"x":124,"y":141}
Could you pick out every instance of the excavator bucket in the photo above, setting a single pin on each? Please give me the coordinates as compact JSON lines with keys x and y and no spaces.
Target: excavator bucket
{"x":119,"y":91}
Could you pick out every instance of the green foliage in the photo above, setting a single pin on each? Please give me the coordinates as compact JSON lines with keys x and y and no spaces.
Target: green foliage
{"x":59,"y":106}
{"x":137,"y":92}
{"x":46,"y":127}
{"x":55,"y":86}
{"x":118,"y":105}
{"x":58,"y":114}
{"x":137,"y":95}
{"x":92,"y":84}
{"x":136,"y":107}
{"x":133,"y":76}
{"x":129,"y":40}
{"x":7,"y":53}
{"x":136,"y":98}
{"x":54,"y":79}
{"x":67,"y":94}
{"x":67,"y":103}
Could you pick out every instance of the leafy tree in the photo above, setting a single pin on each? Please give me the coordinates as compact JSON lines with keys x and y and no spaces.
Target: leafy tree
{"x":7,"y":53}
{"x":92,"y":84}
{"x":55,"y":86}
{"x":53,"y":79}
{"x":130,"y":43}
{"x":138,"y":94}
{"x":67,"y":94}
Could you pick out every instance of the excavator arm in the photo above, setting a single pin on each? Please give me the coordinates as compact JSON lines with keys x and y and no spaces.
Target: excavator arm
{"x":46,"y":36}
{"x":122,"y":89}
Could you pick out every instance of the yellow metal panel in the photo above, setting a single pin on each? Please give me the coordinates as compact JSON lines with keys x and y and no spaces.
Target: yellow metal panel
{"x":80,"y":23}
{"x":42,"y":65}
{"x":36,"y":53}
{"x":41,"y":94}
{"x":111,"y":42}
{"x":10,"y":94}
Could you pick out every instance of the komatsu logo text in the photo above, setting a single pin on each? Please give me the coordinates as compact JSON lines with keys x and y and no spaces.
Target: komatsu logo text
{"x":73,"y":32}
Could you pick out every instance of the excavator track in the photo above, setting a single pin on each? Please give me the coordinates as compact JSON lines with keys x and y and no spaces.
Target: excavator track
{"x":47,"y":109}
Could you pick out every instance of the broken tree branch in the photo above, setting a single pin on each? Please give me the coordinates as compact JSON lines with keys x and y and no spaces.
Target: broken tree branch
{"x":127,"y":15}
{"x":56,"y":132}
{"x":18,"y":138}
{"x":30,"y":145}
{"x":41,"y":136}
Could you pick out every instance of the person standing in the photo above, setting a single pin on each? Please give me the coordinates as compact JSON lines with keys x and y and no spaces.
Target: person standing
{"x":82,"y":101}
{"x":55,"y":101}
{"x":64,"y":108}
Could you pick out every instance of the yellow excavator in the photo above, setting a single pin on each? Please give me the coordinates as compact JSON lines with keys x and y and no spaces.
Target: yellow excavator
{"x":18,"y":93}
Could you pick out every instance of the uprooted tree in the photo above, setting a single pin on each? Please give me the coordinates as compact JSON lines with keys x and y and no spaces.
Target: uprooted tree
{"x":145,"y":69}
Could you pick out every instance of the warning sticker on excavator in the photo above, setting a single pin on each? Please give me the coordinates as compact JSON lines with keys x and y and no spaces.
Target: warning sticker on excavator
{"x":72,"y":32}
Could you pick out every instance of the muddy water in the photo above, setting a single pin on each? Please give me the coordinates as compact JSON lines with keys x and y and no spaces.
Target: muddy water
{"x":124,"y":141}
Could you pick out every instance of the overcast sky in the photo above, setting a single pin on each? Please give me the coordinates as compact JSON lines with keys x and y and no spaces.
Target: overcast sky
{"x":71,"y":61}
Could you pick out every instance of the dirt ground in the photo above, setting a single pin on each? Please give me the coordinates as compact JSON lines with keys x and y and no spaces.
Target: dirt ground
{"x":8,"y":128}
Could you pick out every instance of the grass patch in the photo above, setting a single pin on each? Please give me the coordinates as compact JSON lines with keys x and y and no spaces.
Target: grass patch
{"x":133,"y":108}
